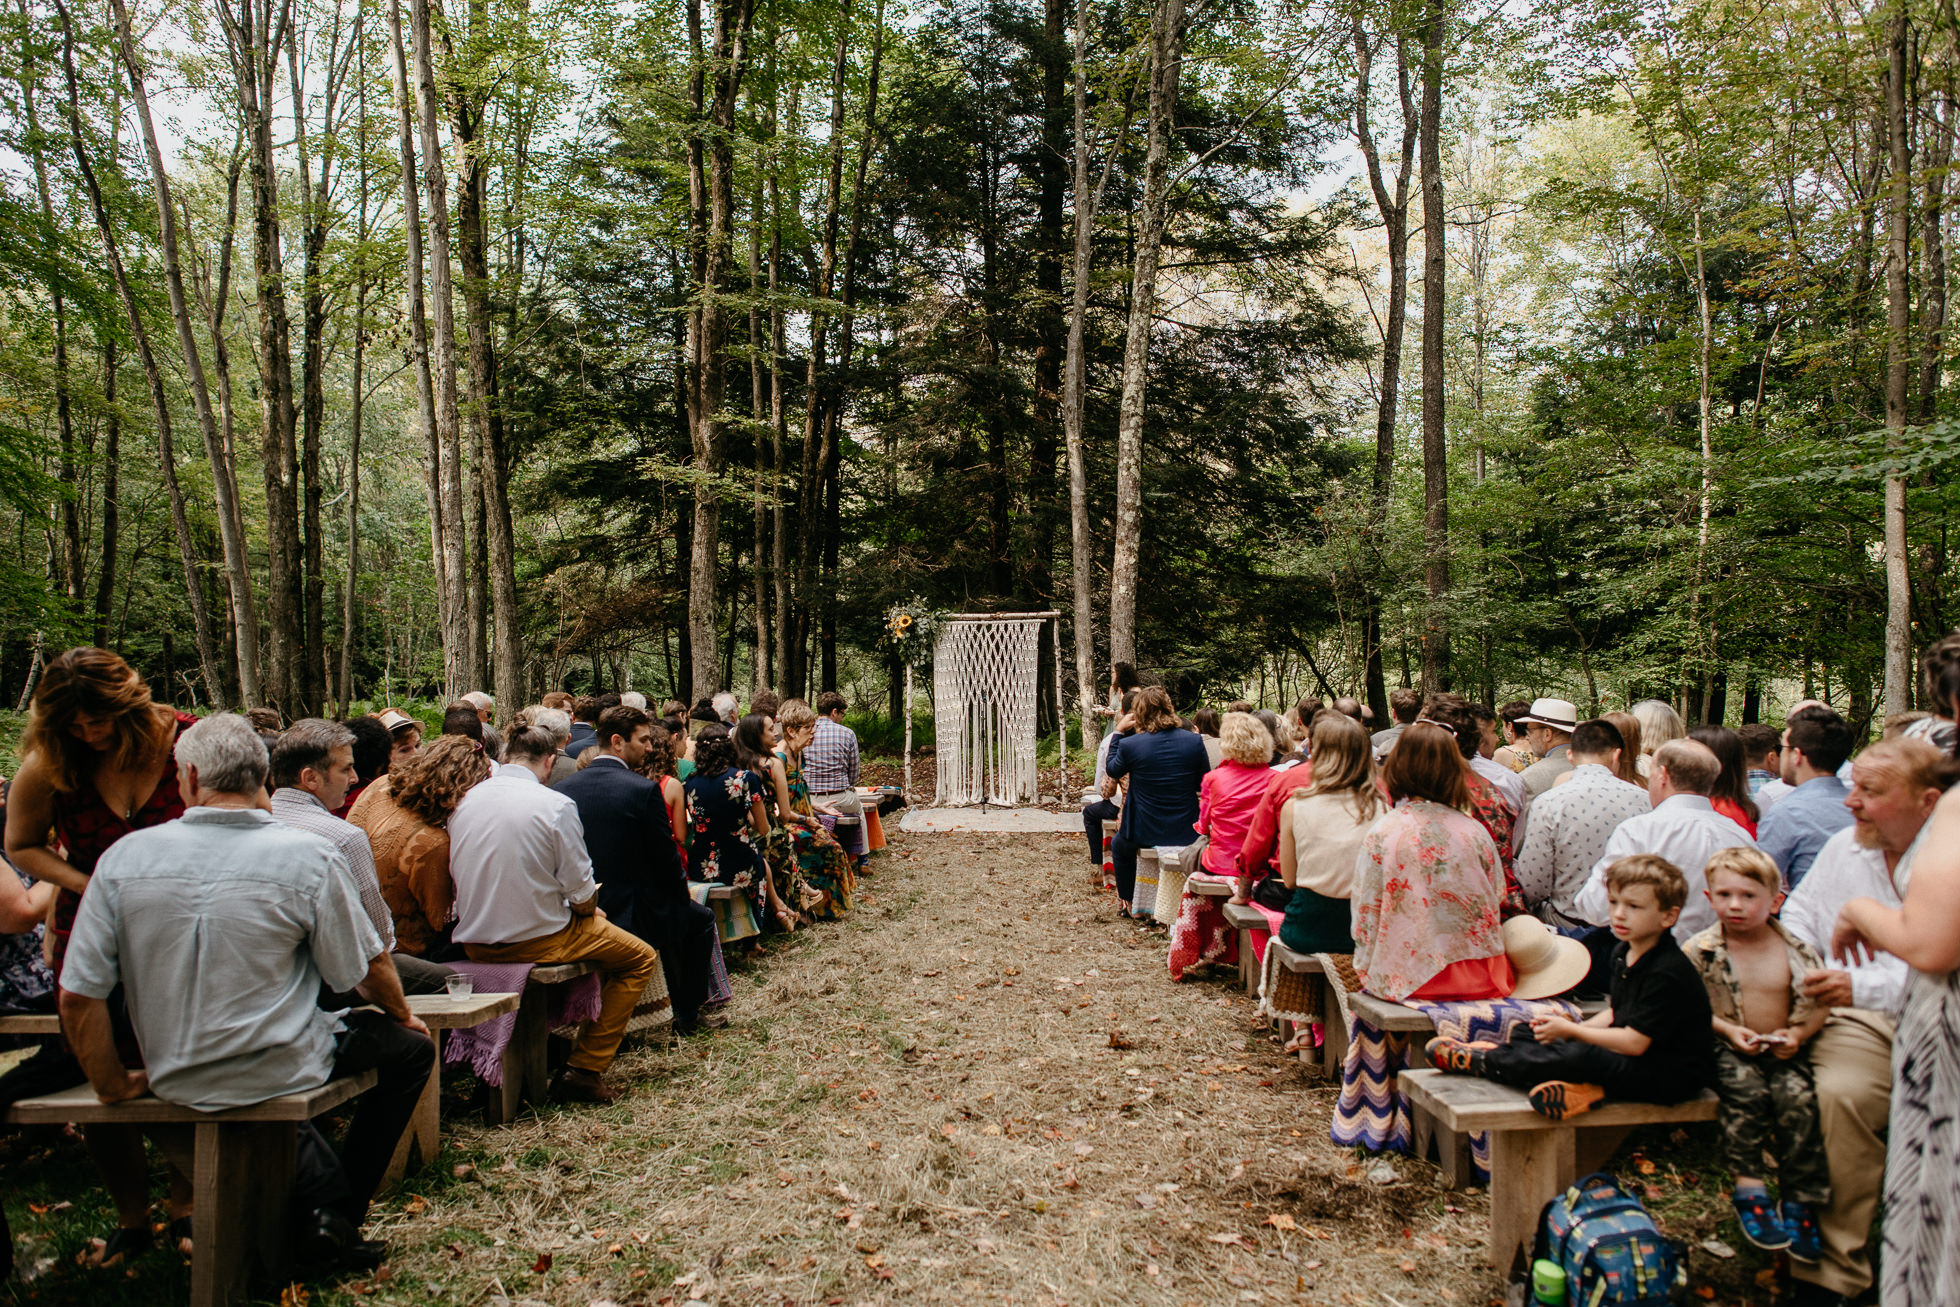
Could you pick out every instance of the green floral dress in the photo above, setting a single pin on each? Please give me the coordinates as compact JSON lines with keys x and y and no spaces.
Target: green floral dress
{"x":812,"y":853}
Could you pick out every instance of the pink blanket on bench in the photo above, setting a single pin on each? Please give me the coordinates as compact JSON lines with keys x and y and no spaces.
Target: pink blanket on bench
{"x":481,"y":1048}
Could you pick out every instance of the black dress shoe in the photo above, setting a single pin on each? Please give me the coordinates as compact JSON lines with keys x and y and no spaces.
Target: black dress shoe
{"x":330,"y":1242}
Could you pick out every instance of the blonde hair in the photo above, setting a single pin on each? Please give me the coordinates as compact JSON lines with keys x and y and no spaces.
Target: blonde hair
{"x":1658,"y":724}
{"x":1344,"y":763}
{"x":1750,"y":864}
{"x":1670,"y":886}
{"x":1245,"y":739}
{"x":794,"y":714}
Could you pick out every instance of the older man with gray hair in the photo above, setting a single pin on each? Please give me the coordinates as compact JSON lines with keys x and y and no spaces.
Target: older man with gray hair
{"x":222,"y":928}
{"x":557,"y":723}
{"x":311,"y":767}
{"x":485,"y":705}
{"x":725,"y":705}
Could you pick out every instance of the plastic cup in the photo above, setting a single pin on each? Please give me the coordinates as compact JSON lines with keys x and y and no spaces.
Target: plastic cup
{"x":1547,"y":1281}
{"x":461,"y":984}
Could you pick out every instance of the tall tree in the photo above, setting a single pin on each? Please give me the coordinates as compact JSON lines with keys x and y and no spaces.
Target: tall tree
{"x":1435,"y":449}
{"x":1898,"y":358}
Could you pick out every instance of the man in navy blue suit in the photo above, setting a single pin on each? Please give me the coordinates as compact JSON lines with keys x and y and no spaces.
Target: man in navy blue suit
{"x":642,"y":883}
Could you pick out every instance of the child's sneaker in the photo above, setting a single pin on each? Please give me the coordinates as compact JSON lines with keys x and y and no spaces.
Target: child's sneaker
{"x":1455,"y":1056}
{"x":1559,"y":1099}
{"x":1757,"y":1215}
{"x":1806,"y":1244}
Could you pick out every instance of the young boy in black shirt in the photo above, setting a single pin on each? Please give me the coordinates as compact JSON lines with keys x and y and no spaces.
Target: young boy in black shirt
{"x":1653,"y":1044}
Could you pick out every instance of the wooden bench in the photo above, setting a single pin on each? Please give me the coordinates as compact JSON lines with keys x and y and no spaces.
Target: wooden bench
{"x":439,"y":1012}
{"x":1245,"y":919}
{"x":1333,"y":1050}
{"x":1532,"y":1158}
{"x":30,"y":1023}
{"x":1451,"y":1149}
{"x":241,"y":1167}
{"x":527,"y":1070}
{"x":727,"y":924}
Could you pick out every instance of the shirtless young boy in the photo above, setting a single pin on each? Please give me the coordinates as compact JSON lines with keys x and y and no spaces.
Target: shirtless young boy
{"x":1754,"y":972}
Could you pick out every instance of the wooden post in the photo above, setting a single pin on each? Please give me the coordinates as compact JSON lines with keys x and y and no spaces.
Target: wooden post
{"x":1061,"y":712}
{"x":908,"y":733}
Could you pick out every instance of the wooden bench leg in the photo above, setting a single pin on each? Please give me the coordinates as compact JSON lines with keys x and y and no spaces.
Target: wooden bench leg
{"x":244,"y":1186}
{"x":1334,"y":1053}
{"x":1452,"y":1150}
{"x":423,"y":1130}
{"x":525,"y":1074}
{"x":1527,"y":1169}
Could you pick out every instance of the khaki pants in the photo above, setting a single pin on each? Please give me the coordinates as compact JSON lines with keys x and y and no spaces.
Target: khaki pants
{"x":625,"y":965}
{"x":1851,"y":1061}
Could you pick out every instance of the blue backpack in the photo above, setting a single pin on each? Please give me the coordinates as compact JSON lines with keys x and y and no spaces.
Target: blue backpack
{"x":1611,"y":1251}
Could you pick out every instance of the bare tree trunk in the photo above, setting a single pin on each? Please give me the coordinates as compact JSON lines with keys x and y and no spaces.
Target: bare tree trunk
{"x":207,"y":652}
{"x":1166,"y":64}
{"x":459,"y":673}
{"x":1435,"y":452}
{"x":758,"y":406}
{"x":778,"y":416}
{"x":1898,"y":369}
{"x":105,"y":583}
{"x":255,"y":35}
{"x":418,"y":322}
{"x":344,"y":683}
{"x":1394,"y":209}
{"x":231,"y":535}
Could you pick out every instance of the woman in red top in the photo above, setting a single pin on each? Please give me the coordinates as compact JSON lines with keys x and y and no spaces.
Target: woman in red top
{"x":1228,"y":797}
{"x":1730,"y":797}
{"x":99,"y":762}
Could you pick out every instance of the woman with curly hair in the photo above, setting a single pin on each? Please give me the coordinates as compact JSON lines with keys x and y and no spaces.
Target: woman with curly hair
{"x":728,"y":823}
{"x":799,"y":841}
{"x":406,"y":817}
{"x":99,"y":761}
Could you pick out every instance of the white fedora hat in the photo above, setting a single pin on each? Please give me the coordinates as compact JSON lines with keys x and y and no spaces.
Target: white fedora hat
{"x":1559,"y":714}
{"x":1546,"y":962}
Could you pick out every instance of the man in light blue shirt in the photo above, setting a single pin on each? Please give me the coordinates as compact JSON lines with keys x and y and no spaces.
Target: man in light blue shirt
{"x":221,"y":927}
{"x":1815,"y":745}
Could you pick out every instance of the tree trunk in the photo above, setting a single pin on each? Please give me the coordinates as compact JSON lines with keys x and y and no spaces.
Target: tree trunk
{"x":245,"y":675}
{"x":1394,"y":210}
{"x":418,"y":322}
{"x":1166,"y":64}
{"x":166,"y":449}
{"x":778,"y":415}
{"x":758,"y":407}
{"x":1435,"y":452}
{"x":459,"y":672}
{"x":254,"y":39}
{"x":105,"y":584}
{"x":1898,"y":369}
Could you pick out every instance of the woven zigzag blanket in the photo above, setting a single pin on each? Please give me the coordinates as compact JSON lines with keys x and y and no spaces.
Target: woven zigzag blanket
{"x":1373,"y":1114}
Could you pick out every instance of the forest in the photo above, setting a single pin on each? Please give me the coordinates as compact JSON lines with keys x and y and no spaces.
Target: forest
{"x":359,"y":351}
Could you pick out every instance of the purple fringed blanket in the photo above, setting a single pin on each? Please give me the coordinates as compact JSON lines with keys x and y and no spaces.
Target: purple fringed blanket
{"x":481,"y":1048}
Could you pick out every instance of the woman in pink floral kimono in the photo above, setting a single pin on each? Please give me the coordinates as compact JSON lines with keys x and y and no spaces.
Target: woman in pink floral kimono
{"x":1430,"y":883}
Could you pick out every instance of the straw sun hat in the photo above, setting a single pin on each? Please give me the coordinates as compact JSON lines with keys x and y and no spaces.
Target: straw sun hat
{"x":1546,"y":962}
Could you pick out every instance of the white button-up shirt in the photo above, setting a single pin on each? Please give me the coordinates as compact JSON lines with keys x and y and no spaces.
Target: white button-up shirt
{"x":302,"y":810}
{"x":1842,"y":871}
{"x":1567,"y":834}
{"x":517,"y":855}
{"x":1687,"y":831}
{"x":1509,"y":784}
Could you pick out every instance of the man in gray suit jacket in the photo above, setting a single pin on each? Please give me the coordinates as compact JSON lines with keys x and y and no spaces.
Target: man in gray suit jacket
{"x":1548,"y":729}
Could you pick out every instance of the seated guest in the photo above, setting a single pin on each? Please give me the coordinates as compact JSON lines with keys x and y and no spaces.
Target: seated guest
{"x":374,"y":750}
{"x":632,"y":699}
{"x":1508,"y":784}
{"x":1939,"y":689}
{"x":703,"y":715}
{"x":1629,"y":769}
{"x":559,"y":700}
{"x":1429,"y":883}
{"x":1164,"y":766}
{"x":486,"y":707}
{"x":267,"y":722}
{"x":1404,"y":705}
{"x":311,"y":765}
{"x":1516,"y":751}
{"x":725,"y":705}
{"x":1205,"y":721}
{"x":1286,"y":752}
{"x":1683,"y":828}
{"x":1730,"y":793}
{"x":798,"y":839}
{"x":1227,"y":799}
{"x":1819,"y":742}
{"x":1762,"y":752}
{"x":525,"y":893}
{"x":1548,"y":726}
{"x":830,"y":765}
{"x":1659,"y":723}
{"x":1570,"y":823}
{"x":682,"y":745}
{"x":769,"y":703}
{"x":585,"y":715}
{"x":557,"y":723}
{"x":404,"y":733}
{"x":26,"y":985}
{"x":1103,"y":802}
{"x":658,"y":767}
{"x":1895,"y":786}
{"x":642,"y":884}
{"x":1753,"y":970}
{"x":222,"y":928}
{"x":1322,"y":831}
{"x":1651,"y":1044}
{"x":461,"y":718}
{"x":1487,"y":805}
{"x":406,"y":817}
{"x":728,"y":824}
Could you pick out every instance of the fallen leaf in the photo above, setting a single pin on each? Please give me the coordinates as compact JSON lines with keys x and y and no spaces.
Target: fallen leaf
{"x":1704,"y":1291}
{"x":462,"y":1170}
{"x":1716,"y":1248}
{"x":616,"y":1250}
{"x":293,"y":1295}
{"x":416,"y":1205}
{"x":1315,"y":1265}
{"x":456,"y":1251}
{"x":542,"y":1265}
{"x":1281,"y":1221}
{"x":1227,"y":1237}
{"x":875,"y":1260}
{"x":1117,"y":1039}
{"x":1152,"y":1269}
{"x":1408,"y":1268}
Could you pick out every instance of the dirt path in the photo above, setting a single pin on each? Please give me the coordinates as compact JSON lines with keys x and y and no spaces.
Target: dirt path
{"x":924,"y":1104}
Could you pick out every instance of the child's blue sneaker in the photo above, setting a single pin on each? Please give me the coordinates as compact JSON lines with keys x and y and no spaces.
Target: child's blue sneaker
{"x":1760,"y":1226}
{"x":1806,"y":1244}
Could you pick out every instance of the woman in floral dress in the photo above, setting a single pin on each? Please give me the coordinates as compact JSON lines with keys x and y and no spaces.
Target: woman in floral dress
{"x":727,"y":824}
{"x":799,"y":840}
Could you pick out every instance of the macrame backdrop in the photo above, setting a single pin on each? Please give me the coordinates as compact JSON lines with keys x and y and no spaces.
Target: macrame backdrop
{"x":985,"y":684}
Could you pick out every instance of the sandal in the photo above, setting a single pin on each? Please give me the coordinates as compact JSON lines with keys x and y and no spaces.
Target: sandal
{"x":127,"y":1244}
{"x":179,"y":1235}
{"x":1756,"y":1214}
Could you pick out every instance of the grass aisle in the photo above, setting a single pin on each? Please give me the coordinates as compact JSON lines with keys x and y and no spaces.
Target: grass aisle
{"x":922,"y":1104}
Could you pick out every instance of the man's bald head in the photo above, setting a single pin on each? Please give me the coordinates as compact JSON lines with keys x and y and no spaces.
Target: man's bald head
{"x":1683,"y":767}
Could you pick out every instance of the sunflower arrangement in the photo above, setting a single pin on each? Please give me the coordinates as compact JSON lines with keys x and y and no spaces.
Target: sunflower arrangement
{"x":911,"y":630}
